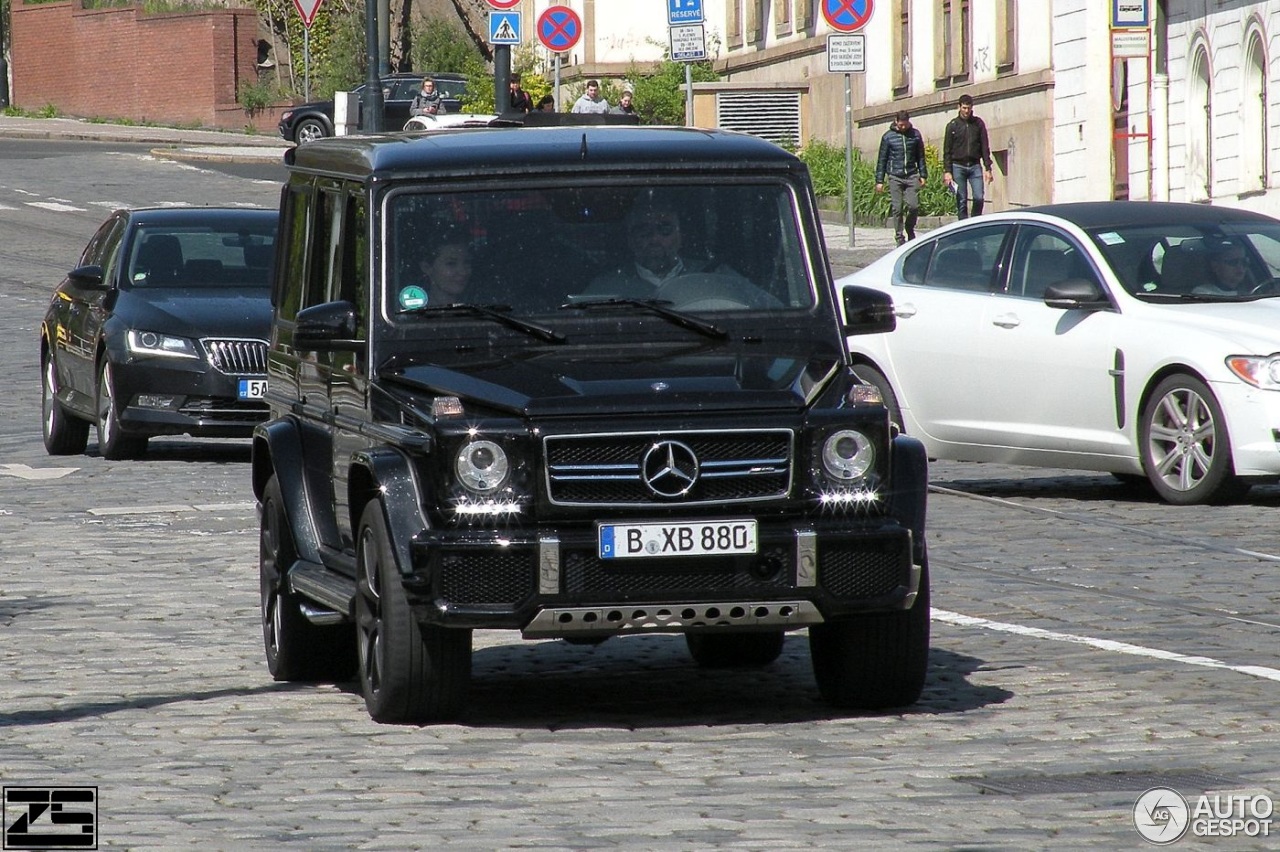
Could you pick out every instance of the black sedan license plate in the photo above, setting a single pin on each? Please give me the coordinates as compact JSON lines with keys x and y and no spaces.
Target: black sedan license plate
{"x":253,"y":388}
{"x":698,"y":538}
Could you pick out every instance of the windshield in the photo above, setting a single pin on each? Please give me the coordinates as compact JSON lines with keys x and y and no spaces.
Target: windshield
{"x":1207,"y":261}
{"x":695,"y":248}
{"x":234,"y":255}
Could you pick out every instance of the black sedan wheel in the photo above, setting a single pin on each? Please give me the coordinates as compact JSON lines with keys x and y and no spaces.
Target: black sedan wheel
{"x":1185,"y":449}
{"x":877,"y":661}
{"x":112,"y":442}
{"x":309,"y":130}
{"x":408,"y":673}
{"x":64,"y":434}
{"x":297,"y":650}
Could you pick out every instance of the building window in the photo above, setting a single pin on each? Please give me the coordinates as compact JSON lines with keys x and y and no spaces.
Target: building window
{"x":733,"y":23}
{"x":805,"y":17}
{"x":954,"y":38}
{"x":901,"y":15}
{"x":1199,"y":159}
{"x":1253,"y":111}
{"x":1006,"y":35}
{"x":755,"y":21}
{"x":782,"y":17}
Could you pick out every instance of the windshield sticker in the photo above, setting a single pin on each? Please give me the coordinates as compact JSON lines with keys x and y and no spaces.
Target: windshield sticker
{"x":1110,"y":238}
{"x":412,"y":297}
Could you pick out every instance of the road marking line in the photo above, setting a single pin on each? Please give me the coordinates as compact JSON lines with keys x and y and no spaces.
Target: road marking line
{"x":55,"y":207}
{"x":22,"y":471}
{"x":961,"y":620}
{"x":110,"y":511}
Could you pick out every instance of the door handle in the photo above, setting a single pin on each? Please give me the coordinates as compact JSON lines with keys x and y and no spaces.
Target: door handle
{"x":905,"y":311}
{"x":1006,"y":321}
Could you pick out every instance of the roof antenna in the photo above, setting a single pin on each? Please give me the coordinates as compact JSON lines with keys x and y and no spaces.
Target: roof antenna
{"x":583,"y":152}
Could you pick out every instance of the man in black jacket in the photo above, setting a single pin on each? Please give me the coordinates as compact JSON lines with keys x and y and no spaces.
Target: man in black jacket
{"x":966,"y":158}
{"x":901,"y":162}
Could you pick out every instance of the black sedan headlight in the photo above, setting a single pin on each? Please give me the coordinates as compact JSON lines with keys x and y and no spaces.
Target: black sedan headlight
{"x":489,"y":478}
{"x":156,"y":344}
{"x":845,"y":467}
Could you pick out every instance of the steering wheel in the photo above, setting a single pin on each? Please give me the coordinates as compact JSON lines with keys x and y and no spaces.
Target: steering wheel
{"x":1271,"y":285}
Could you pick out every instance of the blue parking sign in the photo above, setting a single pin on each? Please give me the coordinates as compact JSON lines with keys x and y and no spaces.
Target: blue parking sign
{"x":684,"y":12}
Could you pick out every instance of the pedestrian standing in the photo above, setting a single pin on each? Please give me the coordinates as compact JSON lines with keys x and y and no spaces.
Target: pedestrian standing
{"x":901,"y":163}
{"x":591,"y":102}
{"x":966,"y":159}
{"x":520,"y":100}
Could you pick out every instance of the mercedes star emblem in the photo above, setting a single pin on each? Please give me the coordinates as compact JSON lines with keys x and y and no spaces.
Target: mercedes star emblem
{"x":670,"y":469}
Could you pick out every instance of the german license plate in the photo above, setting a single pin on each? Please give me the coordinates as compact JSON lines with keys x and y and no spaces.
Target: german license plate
{"x":702,"y":538}
{"x":253,"y":388}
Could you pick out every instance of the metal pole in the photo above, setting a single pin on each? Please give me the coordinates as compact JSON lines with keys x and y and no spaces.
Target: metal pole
{"x":371,"y":108}
{"x":4,"y":63}
{"x":384,"y":37}
{"x":848,"y":154}
{"x":557,"y":88}
{"x":306,"y":63}
{"x":688,"y":96}
{"x":501,"y":78}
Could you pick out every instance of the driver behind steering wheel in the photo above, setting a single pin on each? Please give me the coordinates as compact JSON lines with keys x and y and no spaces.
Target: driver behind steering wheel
{"x":654,"y":239}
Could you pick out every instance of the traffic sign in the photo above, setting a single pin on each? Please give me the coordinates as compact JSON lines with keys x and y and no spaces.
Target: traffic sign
{"x":847,"y":16}
{"x":688,"y":43}
{"x":504,"y":4}
{"x":504,"y":28}
{"x":684,"y":12}
{"x":307,"y":9}
{"x":559,"y":28}
{"x":846,"y":53}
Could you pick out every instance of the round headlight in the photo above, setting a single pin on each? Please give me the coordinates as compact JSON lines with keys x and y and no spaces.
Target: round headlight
{"x":482,"y":466}
{"x":848,"y":455}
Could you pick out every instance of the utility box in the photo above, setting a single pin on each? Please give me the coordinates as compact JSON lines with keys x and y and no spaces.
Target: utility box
{"x":346,"y":113}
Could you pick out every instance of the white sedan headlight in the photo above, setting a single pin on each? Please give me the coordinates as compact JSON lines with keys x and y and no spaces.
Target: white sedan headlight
{"x":164,"y":345}
{"x":1261,"y":371}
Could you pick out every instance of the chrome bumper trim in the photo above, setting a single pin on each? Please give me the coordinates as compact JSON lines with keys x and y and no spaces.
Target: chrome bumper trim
{"x":555,"y":622}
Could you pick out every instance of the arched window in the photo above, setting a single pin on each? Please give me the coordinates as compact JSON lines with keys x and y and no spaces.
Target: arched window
{"x":1253,"y":113}
{"x":1199,"y":161}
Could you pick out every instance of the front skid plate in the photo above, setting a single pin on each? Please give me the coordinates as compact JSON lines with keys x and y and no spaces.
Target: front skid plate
{"x":556,"y":622}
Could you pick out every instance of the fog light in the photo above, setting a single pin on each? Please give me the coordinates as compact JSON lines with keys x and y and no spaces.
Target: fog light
{"x":151,"y":400}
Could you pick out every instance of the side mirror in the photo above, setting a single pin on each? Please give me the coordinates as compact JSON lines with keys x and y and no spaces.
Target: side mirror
{"x":1076,"y":294}
{"x":868,"y":311}
{"x":87,"y":277}
{"x":327,"y":327}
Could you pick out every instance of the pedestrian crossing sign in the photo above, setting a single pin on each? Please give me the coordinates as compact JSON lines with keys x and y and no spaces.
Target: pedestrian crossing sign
{"x":504,"y":28}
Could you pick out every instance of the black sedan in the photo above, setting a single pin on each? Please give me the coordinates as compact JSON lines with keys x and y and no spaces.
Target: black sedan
{"x":160,"y":329}
{"x":310,"y":121}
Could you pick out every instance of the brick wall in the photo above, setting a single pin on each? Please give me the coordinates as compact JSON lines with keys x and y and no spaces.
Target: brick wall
{"x":120,"y":63}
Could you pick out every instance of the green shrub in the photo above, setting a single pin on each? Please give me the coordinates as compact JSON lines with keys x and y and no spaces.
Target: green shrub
{"x":826,"y":165}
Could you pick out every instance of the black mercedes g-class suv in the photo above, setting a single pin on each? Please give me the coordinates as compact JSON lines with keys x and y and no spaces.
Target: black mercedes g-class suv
{"x":575,"y":382}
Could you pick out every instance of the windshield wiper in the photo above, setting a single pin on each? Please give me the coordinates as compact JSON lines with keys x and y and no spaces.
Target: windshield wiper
{"x":497,"y":313}
{"x":653,"y":306}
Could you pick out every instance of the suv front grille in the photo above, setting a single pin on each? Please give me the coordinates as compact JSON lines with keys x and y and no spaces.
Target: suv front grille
{"x":608,"y":469}
{"x":237,"y":357}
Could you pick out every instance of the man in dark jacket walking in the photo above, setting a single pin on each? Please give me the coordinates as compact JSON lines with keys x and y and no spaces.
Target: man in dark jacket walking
{"x":901,"y":163}
{"x":966,"y":159}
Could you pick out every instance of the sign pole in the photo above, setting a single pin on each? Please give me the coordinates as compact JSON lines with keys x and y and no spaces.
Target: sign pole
{"x":306,"y":63}
{"x":557,"y":88}
{"x":848,"y":154}
{"x":688,"y":96}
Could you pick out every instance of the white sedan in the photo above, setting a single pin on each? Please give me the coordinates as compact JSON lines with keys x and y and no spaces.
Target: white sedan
{"x":1138,"y":338}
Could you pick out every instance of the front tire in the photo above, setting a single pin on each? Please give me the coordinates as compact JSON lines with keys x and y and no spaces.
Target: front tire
{"x":1186,"y":450}
{"x":408,"y":673}
{"x":113,"y":444}
{"x":309,"y":130}
{"x":297,"y":650}
{"x":877,"y":661}
{"x":64,"y":434}
{"x":735,"y":650}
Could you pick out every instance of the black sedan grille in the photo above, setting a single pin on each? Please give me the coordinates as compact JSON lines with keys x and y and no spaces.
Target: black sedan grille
{"x":237,"y":356}
{"x":608,"y":469}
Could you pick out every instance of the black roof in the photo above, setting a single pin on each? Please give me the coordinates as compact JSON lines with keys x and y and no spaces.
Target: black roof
{"x":528,"y":151}
{"x":1117,"y":214}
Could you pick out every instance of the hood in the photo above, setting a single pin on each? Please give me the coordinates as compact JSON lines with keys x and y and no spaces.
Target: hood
{"x":198,"y":311}
{"x":1245,"y":328}
{"x":585,"y":381}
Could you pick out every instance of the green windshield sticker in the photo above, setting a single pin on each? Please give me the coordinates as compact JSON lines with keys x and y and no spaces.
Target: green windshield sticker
{"x":412,"y":297}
